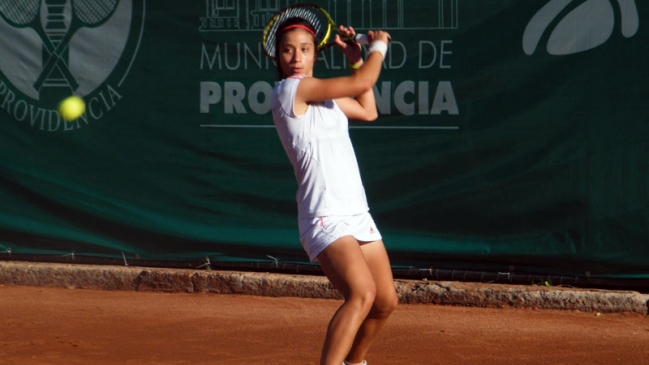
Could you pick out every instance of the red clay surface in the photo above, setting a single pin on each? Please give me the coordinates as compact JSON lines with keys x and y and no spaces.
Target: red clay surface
{"x":64,"y":326}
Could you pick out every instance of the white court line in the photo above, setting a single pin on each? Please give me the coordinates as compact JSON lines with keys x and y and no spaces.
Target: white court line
{"x":407,"y":127}
{"x":236,"y":126}
{"x":350,"y":127}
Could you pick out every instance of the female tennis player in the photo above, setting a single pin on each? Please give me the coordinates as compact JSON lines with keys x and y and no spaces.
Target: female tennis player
{"x":336,"y":229}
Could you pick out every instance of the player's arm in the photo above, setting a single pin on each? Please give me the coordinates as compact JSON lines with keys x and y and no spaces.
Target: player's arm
{"x":359,"y":84}
{"x":361,"y":107}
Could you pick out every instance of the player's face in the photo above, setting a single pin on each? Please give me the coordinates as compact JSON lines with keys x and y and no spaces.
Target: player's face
{"x":297,"y":53}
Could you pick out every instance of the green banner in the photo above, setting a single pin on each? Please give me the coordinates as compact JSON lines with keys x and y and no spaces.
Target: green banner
{"x":513,"y":135}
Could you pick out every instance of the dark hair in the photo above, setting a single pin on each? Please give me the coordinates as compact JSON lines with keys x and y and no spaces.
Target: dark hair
{"x":280,"y":36}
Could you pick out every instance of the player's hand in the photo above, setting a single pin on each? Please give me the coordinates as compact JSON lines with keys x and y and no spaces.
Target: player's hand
{"x":379,"y":35}
{"x":351,"y":49}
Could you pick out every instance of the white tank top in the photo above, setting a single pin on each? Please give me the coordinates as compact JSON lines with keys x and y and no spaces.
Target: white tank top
{"x":321,"y":152}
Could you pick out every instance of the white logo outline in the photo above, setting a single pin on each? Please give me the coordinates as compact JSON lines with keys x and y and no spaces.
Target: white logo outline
{"x":584,"y":27}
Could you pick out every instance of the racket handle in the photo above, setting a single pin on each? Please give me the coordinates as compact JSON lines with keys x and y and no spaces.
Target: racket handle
{"x":360,"y":38}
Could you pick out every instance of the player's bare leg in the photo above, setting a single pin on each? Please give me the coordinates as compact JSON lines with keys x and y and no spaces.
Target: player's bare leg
{"x":345,"y":266}
{"x":385,"y":301}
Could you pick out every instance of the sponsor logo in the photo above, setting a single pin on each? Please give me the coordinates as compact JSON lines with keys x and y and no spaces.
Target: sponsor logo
{"x":419,"y":96}
{"x":55,"y":48}
{"x":567,"y":26}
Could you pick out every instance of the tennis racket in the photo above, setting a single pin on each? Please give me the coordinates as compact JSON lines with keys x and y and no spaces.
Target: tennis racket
{"x":324,"y":26}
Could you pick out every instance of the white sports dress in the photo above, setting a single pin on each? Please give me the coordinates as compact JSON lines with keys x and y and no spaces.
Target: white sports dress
{"x":321,"y":152}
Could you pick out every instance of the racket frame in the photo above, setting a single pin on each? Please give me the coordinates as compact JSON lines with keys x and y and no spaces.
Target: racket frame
{"x":322,"y":44}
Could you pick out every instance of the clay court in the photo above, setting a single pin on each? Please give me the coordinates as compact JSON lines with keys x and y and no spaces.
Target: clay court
{"x":48,"y":326}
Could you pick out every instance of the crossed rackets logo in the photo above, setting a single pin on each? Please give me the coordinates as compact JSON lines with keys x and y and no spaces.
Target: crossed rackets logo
{"x":51,"y":49}
{"x":579,"y":25}
{"x":56,"y":33}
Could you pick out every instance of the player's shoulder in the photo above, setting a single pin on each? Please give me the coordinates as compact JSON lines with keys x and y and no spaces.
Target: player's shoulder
{"x":288,"y":81}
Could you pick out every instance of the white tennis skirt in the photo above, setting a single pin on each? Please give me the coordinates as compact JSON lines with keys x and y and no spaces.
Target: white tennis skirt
{"x":319,"y":232}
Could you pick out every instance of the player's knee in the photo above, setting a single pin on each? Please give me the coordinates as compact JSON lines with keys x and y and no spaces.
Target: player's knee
{"x":364,"y":299}
{"x":385,"y":305}
{"x":391,"y":305}
{"x":369,"y":297}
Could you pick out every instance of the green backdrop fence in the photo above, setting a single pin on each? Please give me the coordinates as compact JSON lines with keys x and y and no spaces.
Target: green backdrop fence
{"x":513,"y":135}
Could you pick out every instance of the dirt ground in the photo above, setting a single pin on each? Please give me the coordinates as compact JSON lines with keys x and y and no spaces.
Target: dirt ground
{"x":65,"y":326}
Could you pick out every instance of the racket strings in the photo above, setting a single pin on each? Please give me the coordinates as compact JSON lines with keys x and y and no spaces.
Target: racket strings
{"x":311,"y":17}
{"x":20,"y":12}
{"x":93,"y":11}
{"x":314,"y":17}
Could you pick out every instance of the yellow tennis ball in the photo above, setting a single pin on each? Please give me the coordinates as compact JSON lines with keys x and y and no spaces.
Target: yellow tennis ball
{"x":72,"y":108}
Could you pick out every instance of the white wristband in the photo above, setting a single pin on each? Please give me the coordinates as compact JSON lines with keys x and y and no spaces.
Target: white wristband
{"x":378,"y":46}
